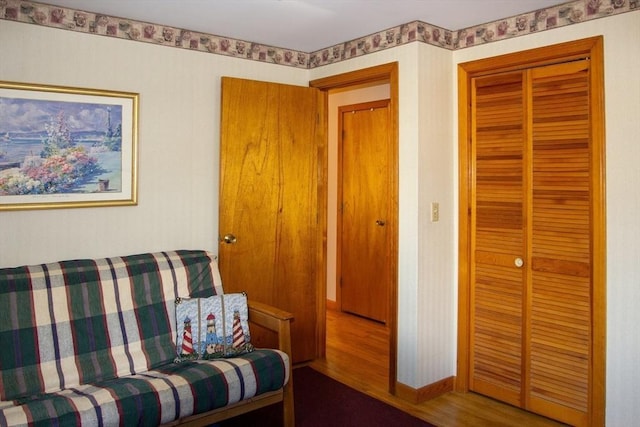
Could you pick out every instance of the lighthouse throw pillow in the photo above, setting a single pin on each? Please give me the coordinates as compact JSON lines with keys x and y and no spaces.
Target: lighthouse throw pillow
{"x":213,"y":327}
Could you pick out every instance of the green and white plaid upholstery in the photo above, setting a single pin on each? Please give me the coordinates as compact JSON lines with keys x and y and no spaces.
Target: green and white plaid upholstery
{"x":92,"y":342}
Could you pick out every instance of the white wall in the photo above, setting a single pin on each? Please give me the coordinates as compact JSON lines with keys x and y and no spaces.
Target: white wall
{"x":178,"y":150}
{"x":622,"y":98}
{"x":178,"y":188}
{"x":178,"y":142}
{"x":437,"y":182}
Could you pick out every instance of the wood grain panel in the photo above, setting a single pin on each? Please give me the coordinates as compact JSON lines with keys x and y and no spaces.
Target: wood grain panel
{"x":563,"y":249}
{"x":365,"y":195}
{"x":560,"y":317}
{"x":270,"y":140}
{"x":497,"y":215}
{"x":530,"y":330}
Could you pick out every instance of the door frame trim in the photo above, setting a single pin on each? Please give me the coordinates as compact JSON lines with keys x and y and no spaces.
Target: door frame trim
{"x":380,"y":73}
{"x":592,"y":48}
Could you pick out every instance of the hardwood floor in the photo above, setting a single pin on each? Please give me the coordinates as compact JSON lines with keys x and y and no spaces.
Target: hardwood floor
{"x":357,"y":355}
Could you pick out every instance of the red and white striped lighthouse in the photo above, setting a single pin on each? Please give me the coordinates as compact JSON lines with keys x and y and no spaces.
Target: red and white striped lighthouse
{"x":187,"y":340}
{"x":238,"y":333}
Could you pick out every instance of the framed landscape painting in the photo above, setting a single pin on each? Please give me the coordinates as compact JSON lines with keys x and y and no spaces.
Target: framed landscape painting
{"x":63,"y":147}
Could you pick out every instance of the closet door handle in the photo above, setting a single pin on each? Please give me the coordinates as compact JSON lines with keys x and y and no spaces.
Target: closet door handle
{"x":380,"y":223}
{"x":518,"y":262}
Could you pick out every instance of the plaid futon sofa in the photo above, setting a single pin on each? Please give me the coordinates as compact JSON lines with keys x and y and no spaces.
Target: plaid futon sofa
{"x":92,"y":343}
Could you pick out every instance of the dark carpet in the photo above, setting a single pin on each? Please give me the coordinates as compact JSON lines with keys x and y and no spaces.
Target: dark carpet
{"x":322,"y":401}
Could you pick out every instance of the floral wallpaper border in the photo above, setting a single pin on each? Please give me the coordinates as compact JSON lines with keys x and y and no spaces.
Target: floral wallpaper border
{"x":561,"y":15}
{"x":564,"y":14}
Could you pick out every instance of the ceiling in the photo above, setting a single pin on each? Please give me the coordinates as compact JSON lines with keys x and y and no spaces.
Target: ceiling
{"x":306,"y":25}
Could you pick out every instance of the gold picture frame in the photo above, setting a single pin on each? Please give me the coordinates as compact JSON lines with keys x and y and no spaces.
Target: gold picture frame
{"x":66,"y":147}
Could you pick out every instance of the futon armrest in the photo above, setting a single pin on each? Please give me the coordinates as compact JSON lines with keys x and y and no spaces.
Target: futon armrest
{"x":269,"y":310}
{"x":274,"y":319}
{"x":278,"y":321}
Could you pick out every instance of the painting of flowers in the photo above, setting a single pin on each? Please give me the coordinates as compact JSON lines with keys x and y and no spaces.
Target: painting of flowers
{"x":66,"y":147}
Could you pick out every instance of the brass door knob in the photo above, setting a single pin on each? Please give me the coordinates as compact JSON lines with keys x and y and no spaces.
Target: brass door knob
{"x":229,"y":239}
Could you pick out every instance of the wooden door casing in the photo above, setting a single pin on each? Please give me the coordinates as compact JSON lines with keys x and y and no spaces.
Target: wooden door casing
{"x":563,"y":230}
{"x":364,"y":192}
{"x":380,"y":73}
{"x":271,"y":140}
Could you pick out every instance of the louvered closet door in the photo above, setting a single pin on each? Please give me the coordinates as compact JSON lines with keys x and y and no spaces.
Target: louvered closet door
{"x":560,"y":317}
{"x":531,"y":308}
{"x":498,"y":203}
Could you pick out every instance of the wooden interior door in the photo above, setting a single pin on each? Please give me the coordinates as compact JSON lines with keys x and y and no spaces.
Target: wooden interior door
{"x":532,"y":228}
{"x":364,"y":192}
{"x":270,"y":238}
